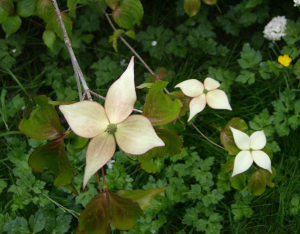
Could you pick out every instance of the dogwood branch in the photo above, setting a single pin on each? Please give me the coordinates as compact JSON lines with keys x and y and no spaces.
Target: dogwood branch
{"x":206,"y":137}
{"x":77,"y":70}
{"x":127,"y":44}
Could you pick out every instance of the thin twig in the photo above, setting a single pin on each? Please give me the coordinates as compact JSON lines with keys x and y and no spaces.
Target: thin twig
{"x":71,"y":52}
{"x":209,"y":123}
{"x":127,"y":44}
{"x":206,"y":137}
{"x":98,"y":182}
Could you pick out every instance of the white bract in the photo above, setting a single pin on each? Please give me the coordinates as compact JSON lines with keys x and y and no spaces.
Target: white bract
{"x":297,"y":3}
{"x":275,"y":29}
{"x":251,"y":151}
{"x":202,"y":94}
{"x":106,"y":126}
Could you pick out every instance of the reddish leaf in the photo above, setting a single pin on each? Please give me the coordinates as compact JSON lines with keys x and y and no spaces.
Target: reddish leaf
{"x":54,"y":157}
{"x":173,"y":145}
{"x":162,"y":73}
{"x":112,"y":3}
{"x":72,"y":188}
{"x":43,"y":123}
{"x":257,"y":183}
{"x":108,"y":208}
{"x":227,"y":136}
{"x":56,"y":103}
{"x":46,"y":10}
{"x":239,"y":181}
{"x":8,"y":5}
{"x":142,"y":197}
{"x":123,"y":17}
{"x":159,"y":108}
{"x":191,"y":7}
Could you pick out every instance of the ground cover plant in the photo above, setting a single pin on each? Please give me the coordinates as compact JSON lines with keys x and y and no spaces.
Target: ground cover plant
{"x":216,"y":84}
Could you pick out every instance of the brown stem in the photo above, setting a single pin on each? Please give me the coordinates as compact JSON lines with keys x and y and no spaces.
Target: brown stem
{"x":75,"y":64}
{"x":209,"y":123}
{"x":127,"y":44}
{"x":104,"y":183}
{"x":206,"y":137}
{"x":98,"y":182}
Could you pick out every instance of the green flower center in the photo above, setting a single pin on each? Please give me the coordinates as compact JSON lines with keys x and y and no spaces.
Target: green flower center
{"x":250,"y":150}
{"x":111,"y":128}
{"x":205,"y":91}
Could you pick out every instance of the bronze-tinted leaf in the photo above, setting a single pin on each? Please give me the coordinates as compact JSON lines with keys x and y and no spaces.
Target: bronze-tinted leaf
{"x":43,"y":123}
{"x":159,"y":108}
{"x":142,"y":197}
{"x":228,"y":166}
{"x":257,"y":183}
{"x":108,"y":208}
{"x":227,"y":136}
{"x":54,"y":157}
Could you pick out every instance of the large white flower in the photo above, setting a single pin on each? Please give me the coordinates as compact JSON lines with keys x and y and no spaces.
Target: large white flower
{"x":251,"y":151}
{"x":275,"y":29}
{"x":202,"y":94}
{"x":134,"y":134}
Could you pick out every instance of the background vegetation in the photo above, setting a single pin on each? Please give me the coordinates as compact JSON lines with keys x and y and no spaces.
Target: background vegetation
{"x":228,"y":46}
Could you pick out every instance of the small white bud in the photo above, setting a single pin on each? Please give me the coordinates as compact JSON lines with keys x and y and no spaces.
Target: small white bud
{"x":154,"y":43}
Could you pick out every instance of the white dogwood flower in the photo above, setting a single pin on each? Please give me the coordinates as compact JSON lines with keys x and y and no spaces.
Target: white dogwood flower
{"x":297,"y":3}
{"x":106,"y":126}
{"x":202,"y":94}
{"x":275,"y":29}
{"x":251,"y":151}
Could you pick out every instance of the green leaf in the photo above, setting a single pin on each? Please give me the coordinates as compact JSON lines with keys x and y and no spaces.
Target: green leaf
{"x":249,"y":57}
{"x":25,"y":8}
{"x":54,"y":157}
{"x":136,"y":9}
{"x":159,"y":108}
{"x":191,"y":7}
{"x":3,"y":16}
{"x":8,"y":6}
{"x":227,"y":136}
{"x":43,"y":123}
{"x":253,"y":3}
{"x":173,"y":145}
{"x":108,"y":208}
{"x":241,"y":210}
{"x":3,"y":185}
{"x":130,"y":33}
{"x":17,"y":226}
{"x":257,"y":183}
{"x":123,"y":17}
{"x":56,"y":26}
{"x":11,"y":24}
{"x":112,"y":3}
{"x":246,"y":76}
{"x":228,"y":166}
{"x":71,"y":5}
{"x":59,"y":226}
{"x":49,"y":38}
{"x":263,"y":121}
{"x":239,"y":181}
{"x":46,"y":10}
{"x":37,"y":222}
{"x":142,"y":197}
{"x":212,"y":198}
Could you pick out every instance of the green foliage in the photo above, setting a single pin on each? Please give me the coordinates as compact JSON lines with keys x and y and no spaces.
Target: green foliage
{"x":106,"y":70}
{"x":154,"y":40}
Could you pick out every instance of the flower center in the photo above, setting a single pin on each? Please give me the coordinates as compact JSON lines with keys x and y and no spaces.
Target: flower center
{"x":205,"y":91}
{"x":250,"y":150}
{"x":111,"y":128}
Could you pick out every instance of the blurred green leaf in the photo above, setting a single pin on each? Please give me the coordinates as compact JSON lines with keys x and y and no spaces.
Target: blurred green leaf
{"x":159,"y":108}
{"x":25,"y":8}
{"x":11,"y":24}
